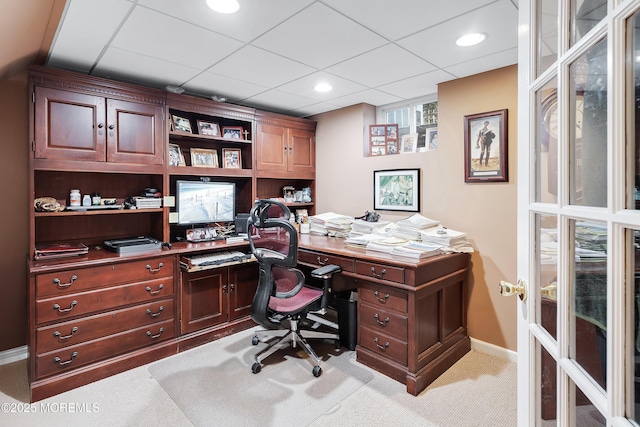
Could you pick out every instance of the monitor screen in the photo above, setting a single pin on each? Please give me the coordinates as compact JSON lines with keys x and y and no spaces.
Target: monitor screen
{"x":201,"y":202}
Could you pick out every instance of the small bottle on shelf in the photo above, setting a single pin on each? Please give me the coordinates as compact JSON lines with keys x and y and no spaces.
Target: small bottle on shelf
{"x":74,"y":198}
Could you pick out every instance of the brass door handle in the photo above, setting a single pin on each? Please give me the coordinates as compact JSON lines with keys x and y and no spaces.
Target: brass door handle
{"x":508,"y":289}
{"x":550,"y":291}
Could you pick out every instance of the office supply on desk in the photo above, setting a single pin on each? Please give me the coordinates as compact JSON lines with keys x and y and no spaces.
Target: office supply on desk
{"x":132,"y":244}
{"x":282,"y":292}
{"x":216,"y":258}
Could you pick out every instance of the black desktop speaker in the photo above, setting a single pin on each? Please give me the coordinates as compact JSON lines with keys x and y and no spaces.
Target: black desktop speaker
{"x":241,"y":223}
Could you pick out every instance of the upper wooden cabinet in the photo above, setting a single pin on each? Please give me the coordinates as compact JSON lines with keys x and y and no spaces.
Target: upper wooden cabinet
{"x":284,"y":144}
{"x":75,"y":121}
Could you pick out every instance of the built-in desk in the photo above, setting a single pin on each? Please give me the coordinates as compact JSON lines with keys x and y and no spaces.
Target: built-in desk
{"x":412,"y":316}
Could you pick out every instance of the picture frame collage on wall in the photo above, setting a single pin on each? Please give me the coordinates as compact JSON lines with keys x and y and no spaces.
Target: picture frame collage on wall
{"x":383,"y":140}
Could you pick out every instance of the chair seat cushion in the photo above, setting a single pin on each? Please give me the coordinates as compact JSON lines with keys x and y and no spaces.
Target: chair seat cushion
{"x":305,"y":297}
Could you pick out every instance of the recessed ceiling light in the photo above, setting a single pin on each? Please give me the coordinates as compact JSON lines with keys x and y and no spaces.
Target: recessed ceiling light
{"x":471,"y":39}
{"x":323,"y":87}
{"x":224,"y":6}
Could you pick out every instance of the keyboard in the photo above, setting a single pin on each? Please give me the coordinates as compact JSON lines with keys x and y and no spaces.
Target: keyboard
{"x":217,"y":258}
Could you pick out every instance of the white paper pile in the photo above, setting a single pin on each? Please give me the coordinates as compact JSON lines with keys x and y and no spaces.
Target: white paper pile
{"x":410,"y":228}
{"x":362,"y":240}
{"x":451,"y":240}
{"x":330,"y":223}
{"x":385,"y":245}
{"x":417,"y":250}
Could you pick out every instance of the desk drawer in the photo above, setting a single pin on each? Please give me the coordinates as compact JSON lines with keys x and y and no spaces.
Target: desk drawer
{"x":383,"y":297}
{"x":71,"y":305}
{"x":72,"y":357}
{"x":380,"y":271}
{"x":80,"y":279}
{"x":89,"y":328}
{"x":384,"y":321}
{"x":318,"y":259}
{"x":383,"y":344}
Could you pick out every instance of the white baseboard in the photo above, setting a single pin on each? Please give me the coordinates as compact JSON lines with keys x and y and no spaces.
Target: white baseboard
{"x":494,"y":350}
{"x":13,"y":355}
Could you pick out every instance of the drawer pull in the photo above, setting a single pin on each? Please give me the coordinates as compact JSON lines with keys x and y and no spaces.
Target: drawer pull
{"x":324,"y":261}
{"x":66,"y":337}
{"x":154,"y":270}
{"x":58,"y":360}
{"x":155,"y":292}
{"x":383,"y":300}
{"x":153,"y":337}
{"x":160,"y":310}
{"x":65,"y":310}
{"x":381,"y":347}
{"x":56,"y":282}
{"x":384,"y":322}
{"x":376,"y":275}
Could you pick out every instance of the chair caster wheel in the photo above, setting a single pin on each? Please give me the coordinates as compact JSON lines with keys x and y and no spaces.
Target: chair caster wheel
{"x":255,"y":340}
{"x":256,"y":367}
{"x":317,"y":371}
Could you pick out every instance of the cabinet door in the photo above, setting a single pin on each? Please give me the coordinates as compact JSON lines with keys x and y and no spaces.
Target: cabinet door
{"x":134,"y":133}
{"x":302,"y":151}
{"x":69,"y":125}
{"x":272,"y":146}
{"x":243,"y":282}
{"x":203,"y":299}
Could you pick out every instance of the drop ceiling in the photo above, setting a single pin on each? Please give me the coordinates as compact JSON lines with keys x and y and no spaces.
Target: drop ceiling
{"x":271,"y":53}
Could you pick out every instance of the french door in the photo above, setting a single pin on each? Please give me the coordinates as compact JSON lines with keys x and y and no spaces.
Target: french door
{"x":578,"y":213}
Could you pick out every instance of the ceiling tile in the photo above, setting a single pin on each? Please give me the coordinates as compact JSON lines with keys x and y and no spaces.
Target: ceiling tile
{"x":425,"y":84}
{"x":486,"y":63}
{"x":380,"y":66}
{"x":369,"y":96}
{"x":305,"y":86}
{"x":281,"y":100}
{"x":258,"y":66}
{"x":153,"y":34}
{"x":320,"y":37}
{"x":437,"y":44}
{"x":208,"y":84}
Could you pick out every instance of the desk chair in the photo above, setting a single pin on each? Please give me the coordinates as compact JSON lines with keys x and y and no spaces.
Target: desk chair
{"x":283,"y":299}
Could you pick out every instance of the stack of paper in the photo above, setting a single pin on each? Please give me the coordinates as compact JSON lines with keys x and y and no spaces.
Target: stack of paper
{"x":362,"y":240}
{"x":443,"y":236}
{"x":410,"y":228}
{"x":361,"y":227}
{"x":331,"y":224}
{"x":417,"y":250}
{"x":385,"y":245}
{"x":59,"y":250}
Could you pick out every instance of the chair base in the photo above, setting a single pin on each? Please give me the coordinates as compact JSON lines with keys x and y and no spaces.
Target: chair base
{"x":293,"y":337}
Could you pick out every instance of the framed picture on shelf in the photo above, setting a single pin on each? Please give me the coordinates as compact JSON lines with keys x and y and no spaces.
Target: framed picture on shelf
{"x":176,"y":158}
{"x":485,"y":147}
{"x":207,"y":128}
{"x":233,"y":132}
{"x":231,"y":158}
{"x":431,"y":139}
{"x":181,"y":124}
{"x":409,"y":143}
{"x":204,"y":157}
{"x":396,"y":190}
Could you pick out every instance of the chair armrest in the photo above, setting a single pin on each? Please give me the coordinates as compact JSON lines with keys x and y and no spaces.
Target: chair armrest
{"x":326,"y":271}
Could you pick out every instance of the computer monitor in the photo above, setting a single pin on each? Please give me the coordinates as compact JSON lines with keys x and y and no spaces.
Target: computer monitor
{"x":200,"y":202}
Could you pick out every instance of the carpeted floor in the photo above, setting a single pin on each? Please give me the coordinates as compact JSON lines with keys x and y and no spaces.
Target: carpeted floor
{"x":212,"y":385}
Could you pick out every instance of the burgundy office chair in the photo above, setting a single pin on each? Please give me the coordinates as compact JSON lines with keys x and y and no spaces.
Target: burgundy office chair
{"x":283,"y":299}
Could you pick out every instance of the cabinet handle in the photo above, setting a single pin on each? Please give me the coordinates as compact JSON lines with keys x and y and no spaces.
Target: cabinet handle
{"x":232,"y":287}
{"x":160,"y":310}
{"x":64,"y":310}
{"x":66,"y":337}
{"x":381,"y":347}
{"x":155,"y":292}
{"x":322,"y":262}
{"x":153,"y":337}
{"x":382,"y":300}
{"x":56,"y":282}
{"x":224,"y":289}
{"x":57,"y":359}
{"x":384,"y":322}
{"x":111,"y":126}
{"x":376,"y":275}
{"x":100,"y":125}
{"x":154,"y":270}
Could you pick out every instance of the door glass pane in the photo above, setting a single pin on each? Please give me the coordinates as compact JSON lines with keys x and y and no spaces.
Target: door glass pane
{"x":633,"y":195}
{"x":585,"y":14}
{"x":547,"y":11}
{"x":588,"y":126}
{"x":547,"y":257}
{"x":589,"y":290}
{"x":586,"y":414}
{"x":633,"y":348}
{"x":546,"y":143}
{"x":548,"y":388}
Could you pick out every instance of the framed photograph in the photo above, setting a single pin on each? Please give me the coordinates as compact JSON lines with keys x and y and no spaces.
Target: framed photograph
{"x":204,"y":158}
{"x":176,"y":158}
{"x":181,"y":124}
{"x":233,"y":132}
{"x":485,"y":147}
{"x":207,"y":128}
{"x":383,"y":139}
{"x":231,"y":158}
{"x":431,"y":139}
{"x":396,"y":190}
{"x":409,"y":143}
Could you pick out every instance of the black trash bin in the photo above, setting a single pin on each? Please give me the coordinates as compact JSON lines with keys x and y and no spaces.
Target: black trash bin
{"x":348,"y":319}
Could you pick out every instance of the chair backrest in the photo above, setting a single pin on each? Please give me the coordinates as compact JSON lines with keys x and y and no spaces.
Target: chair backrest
{"x":274,"y":243}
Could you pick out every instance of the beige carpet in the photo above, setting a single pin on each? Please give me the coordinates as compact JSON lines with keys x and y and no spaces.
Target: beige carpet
{"x":479,"y":390}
